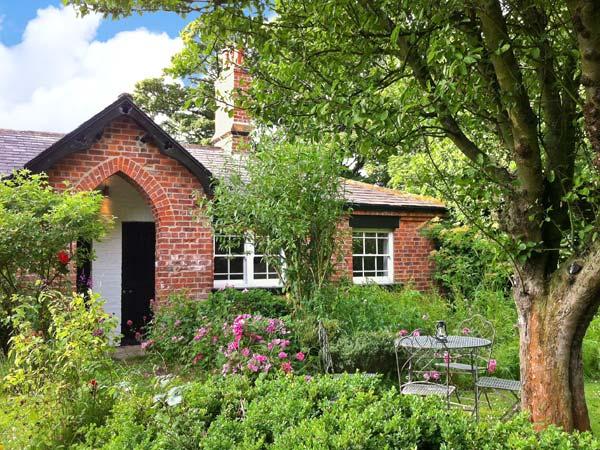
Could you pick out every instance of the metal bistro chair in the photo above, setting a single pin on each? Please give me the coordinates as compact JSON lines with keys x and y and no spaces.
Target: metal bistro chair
{"x":417,"y":374}
{"x":501,"y":384}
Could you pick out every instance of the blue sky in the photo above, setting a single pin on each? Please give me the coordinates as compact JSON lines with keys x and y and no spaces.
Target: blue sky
{"x":58,"y":69}
{"x":16,"y":14}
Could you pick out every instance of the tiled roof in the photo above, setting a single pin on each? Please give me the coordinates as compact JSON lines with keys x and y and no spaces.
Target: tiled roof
{"x":19,"y":147}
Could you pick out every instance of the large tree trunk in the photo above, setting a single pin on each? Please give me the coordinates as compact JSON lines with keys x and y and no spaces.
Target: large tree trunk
{"x":553,"y":318}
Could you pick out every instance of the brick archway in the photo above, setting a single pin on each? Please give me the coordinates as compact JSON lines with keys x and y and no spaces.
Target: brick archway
{"x":145,"y":183}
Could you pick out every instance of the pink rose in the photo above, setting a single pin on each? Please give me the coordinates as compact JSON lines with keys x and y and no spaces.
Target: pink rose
{"x":282,"y":355}
{"x":417,"y":332}
{"x":147,"y":344}
{"x":130,"y":323}
{"x":300,"y":356}
{"x":307,"y":378}
{"x":466,"y":330}
{"x":246,"y":352}
{"x":287,"y":367}
{"x":491,"y":366}
{"x":402,"y":332}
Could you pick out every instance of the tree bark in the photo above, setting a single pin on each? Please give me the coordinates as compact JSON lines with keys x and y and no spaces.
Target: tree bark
{"x":554,"y":315}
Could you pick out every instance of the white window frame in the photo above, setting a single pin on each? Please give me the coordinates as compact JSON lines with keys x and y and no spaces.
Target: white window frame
{"x":389,"y":278}
{"x":248,"y":280}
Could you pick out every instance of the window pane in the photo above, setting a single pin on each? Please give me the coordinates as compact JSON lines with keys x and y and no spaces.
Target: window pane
{"x":381,"y":263}
{"x":382,"y":246}
{"x":369,"y":263}
{"x":260,"y":268}
{"x":220,"y":265}
{"x":370,"y":246}
{"x":357,"y":264}
{"x":357,"y":244}
{"x":236,"y":268}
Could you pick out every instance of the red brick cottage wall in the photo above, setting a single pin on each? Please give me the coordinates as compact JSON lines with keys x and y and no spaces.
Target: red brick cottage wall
{"x":412,"y":262}
{"x":184,"y":244}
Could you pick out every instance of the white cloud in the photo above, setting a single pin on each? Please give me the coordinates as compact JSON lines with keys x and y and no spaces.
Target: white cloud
{"x":58,"y":76}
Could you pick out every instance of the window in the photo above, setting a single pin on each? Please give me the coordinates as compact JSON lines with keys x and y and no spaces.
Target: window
{"x":372,"y":256}
{"x":243,"y":266}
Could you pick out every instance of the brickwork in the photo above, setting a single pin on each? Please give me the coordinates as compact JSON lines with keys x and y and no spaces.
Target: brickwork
{"x":412,"y":264}
{"x":183,"y":244}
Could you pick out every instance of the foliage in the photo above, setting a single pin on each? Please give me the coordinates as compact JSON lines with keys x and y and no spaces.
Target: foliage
{"x":38,"y":226}
{"x":56,"y":379}
{"x":180,"y":109}
{"x":76,"y":345}
{"x":468,"y":262}
{"x":315,"y":413}
{"x":289,"y":201}
{"x":217,"y":335}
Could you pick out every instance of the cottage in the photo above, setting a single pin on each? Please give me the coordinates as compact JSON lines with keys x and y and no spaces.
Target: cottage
{"x":159,"y":244}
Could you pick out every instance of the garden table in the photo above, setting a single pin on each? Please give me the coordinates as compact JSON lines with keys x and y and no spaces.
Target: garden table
{"x":470,"y":344}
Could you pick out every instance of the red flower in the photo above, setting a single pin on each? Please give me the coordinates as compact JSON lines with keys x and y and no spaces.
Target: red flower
{"x":130,"y":323}
{"x":63,"y":257}
{"x":93,"y":384}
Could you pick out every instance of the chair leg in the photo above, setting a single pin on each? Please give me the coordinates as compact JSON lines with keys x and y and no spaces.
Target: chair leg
{"x":487,"y":398}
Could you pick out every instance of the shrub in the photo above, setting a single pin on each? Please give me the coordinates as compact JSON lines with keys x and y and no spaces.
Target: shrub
{"x":38,"y":226}
{"x":467,"y":262}
{"x":220,"y":334}
{"x":76,"y":345}
{"x":59,"y":379}
{"x":296,"y":412}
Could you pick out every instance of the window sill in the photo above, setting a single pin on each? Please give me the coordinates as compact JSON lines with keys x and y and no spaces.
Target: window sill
{"x":240,"y":284}
{"x":372,"y":280}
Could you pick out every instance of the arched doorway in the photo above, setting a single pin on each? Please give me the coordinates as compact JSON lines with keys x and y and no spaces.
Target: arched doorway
{"x":123,"y":271}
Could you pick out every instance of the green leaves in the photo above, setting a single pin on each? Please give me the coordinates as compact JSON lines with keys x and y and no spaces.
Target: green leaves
{"x":289,"y":200}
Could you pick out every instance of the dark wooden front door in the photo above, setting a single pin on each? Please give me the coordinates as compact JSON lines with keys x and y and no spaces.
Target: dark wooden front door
{"x":137,"y":277}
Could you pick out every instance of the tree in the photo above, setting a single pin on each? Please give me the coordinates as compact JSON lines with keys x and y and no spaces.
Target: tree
{"x":39,"y":227}
{"x":288,"y":200}
{"x":513,"y":84}
{"x":181,"y":110}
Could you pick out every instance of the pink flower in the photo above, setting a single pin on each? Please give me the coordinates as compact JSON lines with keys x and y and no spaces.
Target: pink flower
{"x":252,"y":367}
{"x":177,"y":323}
{"x":267,"y":368}
{"x":417,"y":332}
{"x":287,"y":367}
{"x":466,"y":330}
{"x":282,"y":355}
{"x":198,"y":357}
{"x":402,"y":332}
{"x":447,"y":357}
{"x":307,"y":378}
{"x":200,"y":333}
{"x":270,"y":346}
{"x":260,"y":358}
{"x":215,"y":339}
{"x":130,"y":323}
{"x":491,"y":366}
{"x":435,"y":375}
{"x":284,"y":343}
{"x":300,"y":356}
{"x":98,"y":332}
{"x":246,"y":352}
{"x":176,"y":338}
{"x":233,"y":346}
{"x":147,"y":344}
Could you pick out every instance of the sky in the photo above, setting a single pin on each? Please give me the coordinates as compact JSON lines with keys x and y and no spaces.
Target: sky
{"x":57,"y":69}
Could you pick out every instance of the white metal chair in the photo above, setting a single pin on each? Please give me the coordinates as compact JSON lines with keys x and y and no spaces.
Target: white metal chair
{"x":416,"y":358}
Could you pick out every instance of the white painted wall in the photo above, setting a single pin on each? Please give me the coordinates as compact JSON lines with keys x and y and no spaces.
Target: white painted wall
{"x":127,"y":205}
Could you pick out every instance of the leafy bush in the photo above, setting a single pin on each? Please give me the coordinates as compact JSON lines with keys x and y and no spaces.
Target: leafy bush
{"x":298,"y":412}
{"x":220,"y":334}
{"x":467,"y":262}
{"x":76,"y":345}
{"x":57,"y":379}
{"x":38,"y":226}
{"x":367,"y":351}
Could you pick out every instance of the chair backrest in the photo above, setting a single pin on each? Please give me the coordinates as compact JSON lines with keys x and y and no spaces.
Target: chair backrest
{"x":478,"y":326}
{"x":417,"y":359}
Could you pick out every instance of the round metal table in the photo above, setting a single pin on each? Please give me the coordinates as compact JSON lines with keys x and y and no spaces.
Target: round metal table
{"x":470,"y":343}
{"x":450,"y":343}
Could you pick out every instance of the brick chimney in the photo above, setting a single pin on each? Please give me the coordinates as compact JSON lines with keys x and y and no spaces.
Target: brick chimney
{"x":232,"y":124}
